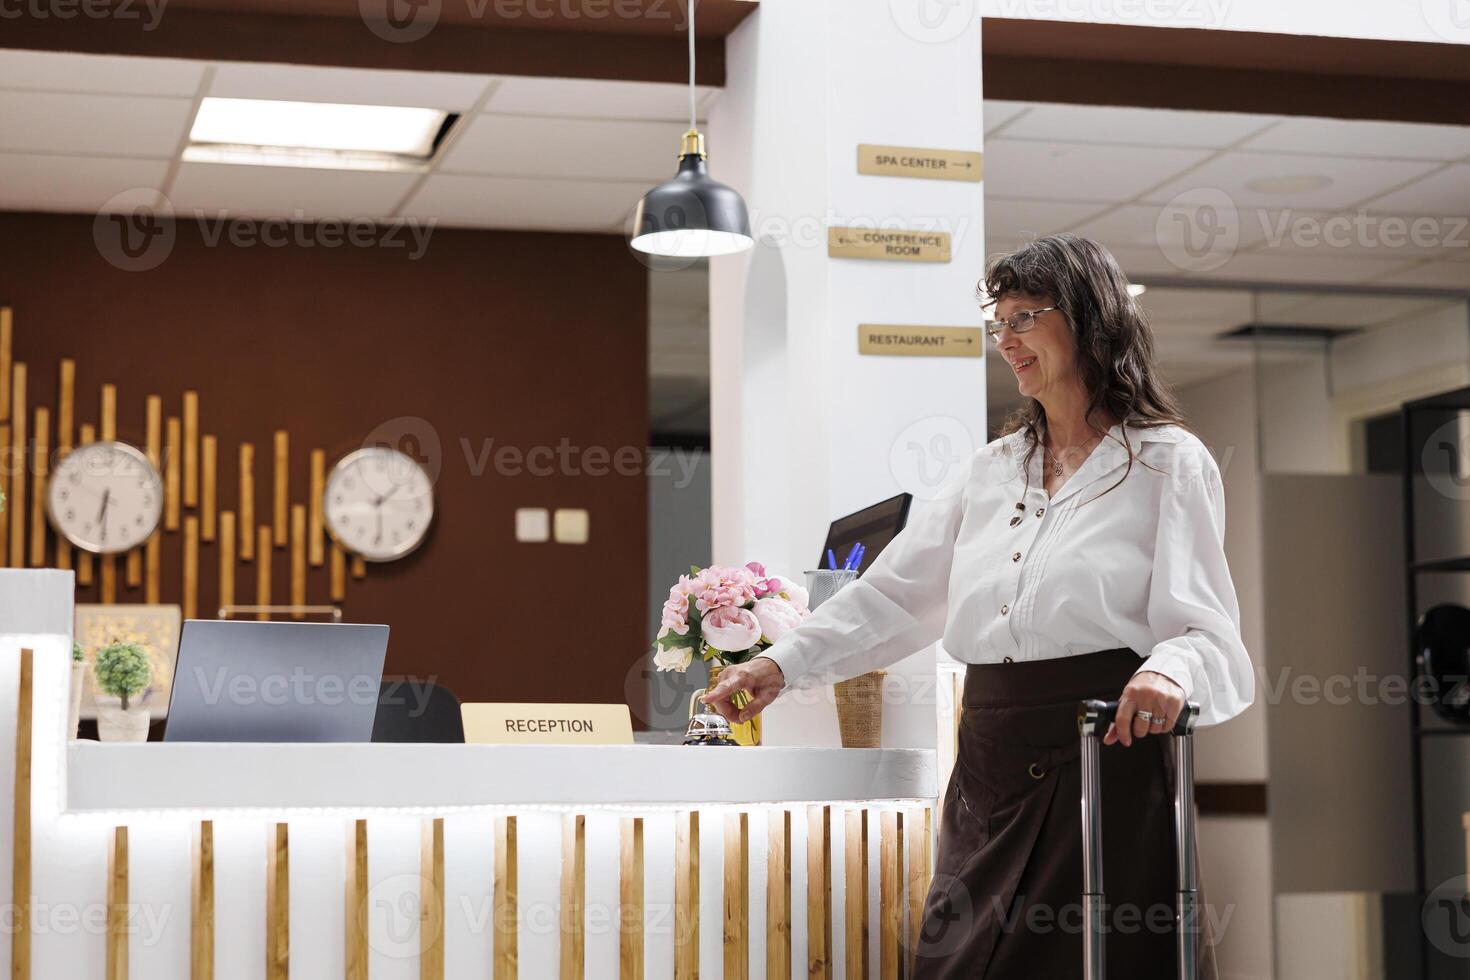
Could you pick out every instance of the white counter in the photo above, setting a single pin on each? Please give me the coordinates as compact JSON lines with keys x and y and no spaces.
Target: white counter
{"x":205,"y":779}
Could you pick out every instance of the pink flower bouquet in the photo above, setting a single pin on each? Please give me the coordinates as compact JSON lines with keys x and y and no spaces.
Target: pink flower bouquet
{"x":726,"y":615}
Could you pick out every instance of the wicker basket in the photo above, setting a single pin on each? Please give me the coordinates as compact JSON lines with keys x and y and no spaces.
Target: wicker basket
{"x":860,"y":710}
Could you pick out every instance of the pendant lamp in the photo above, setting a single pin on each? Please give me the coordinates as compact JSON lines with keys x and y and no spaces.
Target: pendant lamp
{"x":692,"y":215}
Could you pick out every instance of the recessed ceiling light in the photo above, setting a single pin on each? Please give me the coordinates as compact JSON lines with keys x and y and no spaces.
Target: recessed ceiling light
{"x":1289,"y":184}
{"x":318,"y":134}
{"x":1136,"y":289}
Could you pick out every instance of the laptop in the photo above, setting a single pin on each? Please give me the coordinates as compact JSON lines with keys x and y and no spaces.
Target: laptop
{"x":872,"y":526}
{"x":275,"y":682}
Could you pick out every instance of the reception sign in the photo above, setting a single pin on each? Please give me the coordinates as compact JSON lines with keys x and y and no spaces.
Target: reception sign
{"x":547,"y":724}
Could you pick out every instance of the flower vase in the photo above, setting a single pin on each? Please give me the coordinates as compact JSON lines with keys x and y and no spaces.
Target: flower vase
{"x":745,"y":732}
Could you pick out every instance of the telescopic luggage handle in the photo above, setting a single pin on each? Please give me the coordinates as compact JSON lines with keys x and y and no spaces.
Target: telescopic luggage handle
{"x":1093,"y":719}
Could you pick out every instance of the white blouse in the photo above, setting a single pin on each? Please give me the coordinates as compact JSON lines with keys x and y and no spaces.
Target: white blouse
{"x":1000,"y":572}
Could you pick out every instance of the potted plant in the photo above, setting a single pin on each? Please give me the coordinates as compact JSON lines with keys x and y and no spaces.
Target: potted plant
{"x":78,"y":679}
{"x":725,"y":616}
{"x":122,"y":671}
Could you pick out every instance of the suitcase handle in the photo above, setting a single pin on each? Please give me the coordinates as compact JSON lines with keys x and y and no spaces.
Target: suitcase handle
{"x":1094,"y":717}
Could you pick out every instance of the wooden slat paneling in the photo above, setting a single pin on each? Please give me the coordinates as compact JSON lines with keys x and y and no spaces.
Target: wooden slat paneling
{"x":431,"y":901}
{"x":191,"y":449}
{"x":890,"y":895}
{"x":778,"y":895}
{"x":191,"y":566}
{"x":916,"y":868}
{"x":226,"y":558}
{"x":85,"y":434}
{"x":107,"y":432}
{"x":172,"y":470}
{"x":7,"y":328}
{"x":819,"y":892}
{"x":630,"y":899}
{"x":41,"y":459}
{"x":855,"y":891}
{"x":338,"y":574}
{"x":15,"y":506}
{"x":505,"y":903}
{"x":6,"y":514}
{"x":316,"y":551}
{"x":278,"y":903}
{"x":263,"y":571}
{"x":201,"y":924}
{"x":359,"y":567}
{"x":247,"y":501}
{"x":208,"y":497}
{"x":736,"y":936}
{"x":20,"y":826}
{"x":280,"y":513}
{"x":66,"y":400}
{"x":153,"y":547}
{"x":686,"y":895}
{"x":298,"y":558}
{"x":573,"y":896}
{"x":117,"y":905}
{"x":355,"y":916}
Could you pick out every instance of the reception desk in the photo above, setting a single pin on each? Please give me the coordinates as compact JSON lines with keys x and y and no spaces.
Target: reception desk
{"x":165,"y":861}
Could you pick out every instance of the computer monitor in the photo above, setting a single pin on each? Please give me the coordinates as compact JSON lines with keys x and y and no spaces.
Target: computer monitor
{"x":276,"y":682}
{"x":874,"y":526}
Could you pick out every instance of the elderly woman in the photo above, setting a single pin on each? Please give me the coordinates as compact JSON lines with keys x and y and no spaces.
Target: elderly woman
{"x":1082,"y":557}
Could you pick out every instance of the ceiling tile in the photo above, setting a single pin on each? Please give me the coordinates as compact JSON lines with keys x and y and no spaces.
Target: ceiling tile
{"x":1362,"y":138}
{"x":1350,"y":180}
{"x":350,"y":86}
{"x":108,"y":125}
{"x":1138,"y":127}
{"x":1342,"y":309}
{"x":548,"y":146}
{"x":596,"y":98}
{"x":109,"y":74}
{"x":1012,"y":220}
{"x":1150,"y":226}
{"x":286,"y":192}
{"x":538,"y":205}
{"x":1429,"y":275}
{"x":1443,"y":193}
{"x":998,"y":113}
{"x":1076,"y":172}
{"x":37,"y":182}
{"x":1336,"y":270}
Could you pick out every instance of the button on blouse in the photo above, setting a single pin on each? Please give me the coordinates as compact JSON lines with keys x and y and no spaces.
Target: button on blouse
{"x":1119,"y":556}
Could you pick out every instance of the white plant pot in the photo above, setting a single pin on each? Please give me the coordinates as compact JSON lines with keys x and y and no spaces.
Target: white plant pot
{"x":74,"y":712}
{"x":117,"y":725}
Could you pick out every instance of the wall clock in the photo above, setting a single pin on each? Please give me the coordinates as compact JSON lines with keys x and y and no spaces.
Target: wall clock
{"x":105,"y":497}
{"x":378,"y":503}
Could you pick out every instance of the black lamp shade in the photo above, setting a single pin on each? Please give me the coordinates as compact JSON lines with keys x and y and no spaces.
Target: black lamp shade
{"x":691,"y":215}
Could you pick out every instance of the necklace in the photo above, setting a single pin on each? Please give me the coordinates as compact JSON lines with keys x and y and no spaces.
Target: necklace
{"x":1056,"y":463}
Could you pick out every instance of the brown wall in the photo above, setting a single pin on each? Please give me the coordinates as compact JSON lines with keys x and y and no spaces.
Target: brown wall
{"x":529,"y":339}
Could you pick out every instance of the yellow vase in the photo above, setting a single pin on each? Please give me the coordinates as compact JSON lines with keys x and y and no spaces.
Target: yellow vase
{"x":746,"y":732}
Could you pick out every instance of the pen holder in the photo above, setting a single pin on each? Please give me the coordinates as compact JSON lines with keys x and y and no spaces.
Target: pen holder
{"x":823,"y":583}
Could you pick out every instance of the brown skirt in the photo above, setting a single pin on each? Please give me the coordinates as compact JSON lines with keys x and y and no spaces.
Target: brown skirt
{"x":1006,"y":901}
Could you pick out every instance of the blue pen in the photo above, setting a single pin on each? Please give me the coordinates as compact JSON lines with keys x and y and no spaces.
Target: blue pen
{"x":831,"y":559}
{"x":851,"y":554}
{"x":862,"y":553}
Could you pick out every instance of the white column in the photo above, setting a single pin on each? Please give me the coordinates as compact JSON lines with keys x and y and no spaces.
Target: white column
{"x":803,"y":428}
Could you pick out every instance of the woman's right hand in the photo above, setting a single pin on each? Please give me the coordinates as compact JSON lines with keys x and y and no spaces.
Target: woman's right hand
{"x":760,"y":677}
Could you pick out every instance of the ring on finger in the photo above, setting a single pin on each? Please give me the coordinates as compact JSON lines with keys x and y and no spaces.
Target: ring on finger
{"x":1145,"y":715}
{"x":1160,"y":721}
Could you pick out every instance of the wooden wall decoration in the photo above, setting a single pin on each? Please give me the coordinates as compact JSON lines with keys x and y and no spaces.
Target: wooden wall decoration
{"x":197,"y":515}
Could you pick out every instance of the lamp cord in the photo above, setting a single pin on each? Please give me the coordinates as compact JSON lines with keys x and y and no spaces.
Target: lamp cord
{"x":691,"y":65}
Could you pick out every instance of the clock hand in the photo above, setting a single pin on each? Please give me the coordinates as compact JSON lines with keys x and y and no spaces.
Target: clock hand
{"x":102,"y":514}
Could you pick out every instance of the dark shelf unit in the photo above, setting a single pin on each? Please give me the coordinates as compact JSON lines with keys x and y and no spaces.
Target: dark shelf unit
{"x":1411,"y":464}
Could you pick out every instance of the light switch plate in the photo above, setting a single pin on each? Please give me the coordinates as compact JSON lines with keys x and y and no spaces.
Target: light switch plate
{"x":571,"y":525}
{"x":533,"y":524}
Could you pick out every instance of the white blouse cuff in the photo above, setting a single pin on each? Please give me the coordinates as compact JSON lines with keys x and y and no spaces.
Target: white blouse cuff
{"x":1173,"y":665}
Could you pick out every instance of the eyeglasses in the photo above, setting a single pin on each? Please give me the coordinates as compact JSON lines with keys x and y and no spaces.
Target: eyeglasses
{"x":1018,"y":322}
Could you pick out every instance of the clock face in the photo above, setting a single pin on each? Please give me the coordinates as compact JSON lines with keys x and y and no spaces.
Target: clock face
{"x":378,"y":503}
{"x":105,"y":497}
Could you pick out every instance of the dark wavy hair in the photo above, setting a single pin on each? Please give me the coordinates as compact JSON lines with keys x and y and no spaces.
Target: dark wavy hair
{"x":1115,"y":346}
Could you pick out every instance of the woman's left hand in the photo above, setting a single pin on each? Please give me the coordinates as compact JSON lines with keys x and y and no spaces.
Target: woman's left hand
{"x":1150,"y":692}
